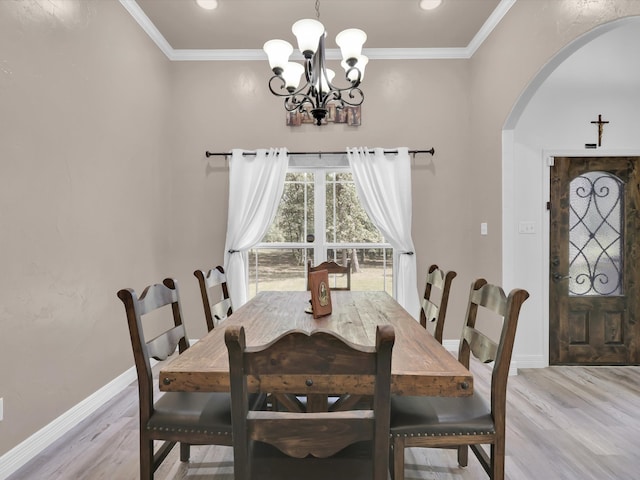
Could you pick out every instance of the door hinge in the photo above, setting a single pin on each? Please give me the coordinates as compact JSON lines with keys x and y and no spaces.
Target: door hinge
{"x":548,"y":205}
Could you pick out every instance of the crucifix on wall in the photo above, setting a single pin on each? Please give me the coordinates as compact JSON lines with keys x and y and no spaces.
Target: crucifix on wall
{"x":600,"y":124}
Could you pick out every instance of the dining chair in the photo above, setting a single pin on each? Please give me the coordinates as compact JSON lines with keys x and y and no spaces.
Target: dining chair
{"x":459,"y":422}
{"x":334,"y":271}
{"x":283,"y":445}
{"x":188,"y":418}
{"x":432,"y":310}
{"x":214,"y":311}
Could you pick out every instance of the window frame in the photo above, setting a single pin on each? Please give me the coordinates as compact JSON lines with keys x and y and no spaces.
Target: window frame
{"x":320,"y":165}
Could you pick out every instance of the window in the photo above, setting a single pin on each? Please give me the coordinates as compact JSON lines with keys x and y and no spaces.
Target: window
{"x":320,"y":218}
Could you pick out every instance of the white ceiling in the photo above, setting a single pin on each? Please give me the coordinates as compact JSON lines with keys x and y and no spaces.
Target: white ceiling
{"x":237,"y":29}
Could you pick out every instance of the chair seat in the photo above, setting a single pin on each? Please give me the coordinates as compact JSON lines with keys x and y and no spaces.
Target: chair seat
{"x":440,"y":416}
{"x":200,"y":412}
{"x":197,"y":412}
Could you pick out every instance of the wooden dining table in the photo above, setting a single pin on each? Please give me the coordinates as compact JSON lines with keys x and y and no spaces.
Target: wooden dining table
{"x":420,"y":365}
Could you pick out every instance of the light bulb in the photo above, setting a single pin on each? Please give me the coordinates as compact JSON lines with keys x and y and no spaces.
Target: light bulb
{"x":278,"y":52}
{"x":308,"y":33}
{"x":324,"y":87}
{"x":350,"y":42}
{"x":291,"y":75}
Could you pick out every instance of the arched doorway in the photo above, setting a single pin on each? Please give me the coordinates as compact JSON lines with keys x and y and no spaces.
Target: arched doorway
{"x":595,"y":74}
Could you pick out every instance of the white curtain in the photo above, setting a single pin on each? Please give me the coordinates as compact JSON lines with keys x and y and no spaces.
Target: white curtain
{"x":255,"y":188}
{"x":383,"y":183}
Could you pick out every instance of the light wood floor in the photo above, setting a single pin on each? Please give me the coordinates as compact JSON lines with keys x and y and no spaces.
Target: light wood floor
{"x":562,"y":423}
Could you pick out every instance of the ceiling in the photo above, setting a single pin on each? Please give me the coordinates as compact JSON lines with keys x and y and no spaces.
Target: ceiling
{"x":453,"y":30}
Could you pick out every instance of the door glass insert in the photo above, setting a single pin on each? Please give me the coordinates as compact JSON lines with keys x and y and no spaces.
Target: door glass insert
{"x":595,"y":234}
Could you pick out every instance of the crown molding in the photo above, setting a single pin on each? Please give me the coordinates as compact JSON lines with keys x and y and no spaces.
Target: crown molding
{"x":147,"y":25}
{"x":492,"y":22}
{"x":332,"y":54}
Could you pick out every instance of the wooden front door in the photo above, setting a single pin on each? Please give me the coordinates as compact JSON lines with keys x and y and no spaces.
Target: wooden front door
{"x":594,"y":279}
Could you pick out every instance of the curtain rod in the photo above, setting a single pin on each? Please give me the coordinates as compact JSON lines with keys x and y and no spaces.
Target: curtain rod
{"x":228,"y":154}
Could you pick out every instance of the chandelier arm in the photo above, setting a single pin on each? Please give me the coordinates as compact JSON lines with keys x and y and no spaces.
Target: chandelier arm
{"x":356,"y":94}
{"x":356,"y":82}
{"x":281,"y":86}
{"x":354,"y":97}
{"x":297,"y":102}
{"x":309,"y":70}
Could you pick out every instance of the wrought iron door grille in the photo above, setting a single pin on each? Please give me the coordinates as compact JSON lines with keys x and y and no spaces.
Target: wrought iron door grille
{"x":596,"y":214}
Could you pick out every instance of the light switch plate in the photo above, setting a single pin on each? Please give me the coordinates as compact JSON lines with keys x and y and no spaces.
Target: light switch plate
{"x":527,"y":228}
{"x":483,"y":228}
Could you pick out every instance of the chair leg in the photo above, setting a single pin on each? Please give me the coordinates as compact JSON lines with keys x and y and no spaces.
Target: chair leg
{"x":497,"y":460}
{"x":185,"y":452}
{"x":463,"y":455}
{"x":398,"y":458}
{"x":146,"y":458}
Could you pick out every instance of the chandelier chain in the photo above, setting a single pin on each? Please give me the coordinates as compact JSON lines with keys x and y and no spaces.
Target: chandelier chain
{"x":318,"y":9}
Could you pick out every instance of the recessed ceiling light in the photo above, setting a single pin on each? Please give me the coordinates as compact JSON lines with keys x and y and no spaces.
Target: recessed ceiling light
{"x":429,"y":4}
{"x":208,"y":4}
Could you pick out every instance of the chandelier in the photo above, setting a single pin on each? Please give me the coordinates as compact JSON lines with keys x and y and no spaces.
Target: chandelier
{"x":318,"y":92}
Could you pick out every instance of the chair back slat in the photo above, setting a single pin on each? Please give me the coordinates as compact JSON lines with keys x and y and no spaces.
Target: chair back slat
{"x":322,"y":352}
{"x":215,"y":277}
{"x":165,"y":345}
{"x":482,"y":347}
{"x":491,"y":297}
{"x":436,"y":277}
{"x":430,"y":310}
{"x":215,"y":311}
{"x":334,"y":270}
{"x":318,"y":434}
{"x":220,"y":310}
{"x":154,"y":297}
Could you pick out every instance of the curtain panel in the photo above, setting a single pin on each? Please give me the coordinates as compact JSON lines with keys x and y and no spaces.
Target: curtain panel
{"x":256,"y":183}
{"x":383,"y":184}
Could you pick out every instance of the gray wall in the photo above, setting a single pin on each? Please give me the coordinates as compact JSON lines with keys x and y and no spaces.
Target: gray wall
{"x":84,"y":104}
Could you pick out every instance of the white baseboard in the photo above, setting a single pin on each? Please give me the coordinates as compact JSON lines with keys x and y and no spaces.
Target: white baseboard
{"x":18,"y":456}
{"x":529,"y":361}
{"x":451,"y":345}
